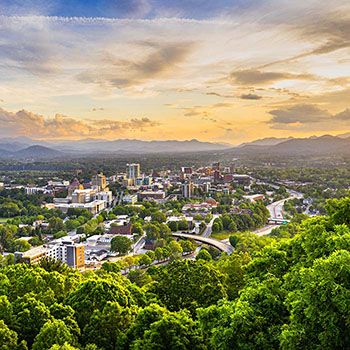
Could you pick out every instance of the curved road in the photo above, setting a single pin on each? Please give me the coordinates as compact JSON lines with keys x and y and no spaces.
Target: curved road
{"x":227,"y":248}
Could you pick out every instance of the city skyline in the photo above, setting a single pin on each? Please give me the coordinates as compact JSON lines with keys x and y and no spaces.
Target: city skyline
{"x":227,"y":72}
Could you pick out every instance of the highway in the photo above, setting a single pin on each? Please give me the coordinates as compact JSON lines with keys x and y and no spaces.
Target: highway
{"x":209,"y":228}
{"x":227,"y":248}
{"x":276,"y":208}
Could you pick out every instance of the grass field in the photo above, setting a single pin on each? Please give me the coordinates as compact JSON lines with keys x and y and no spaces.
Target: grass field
{"x":4,"y":219}
{"x":220,"y":235}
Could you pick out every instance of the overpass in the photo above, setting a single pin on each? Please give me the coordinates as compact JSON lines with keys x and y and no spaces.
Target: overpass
{"x":224,"y":247}
{"x":278,"y":221}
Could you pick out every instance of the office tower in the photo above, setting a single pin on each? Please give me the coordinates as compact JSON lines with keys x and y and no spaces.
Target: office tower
{"x":133,"y":171}
{"x":187,"y":190}
{"x":100,"y":181}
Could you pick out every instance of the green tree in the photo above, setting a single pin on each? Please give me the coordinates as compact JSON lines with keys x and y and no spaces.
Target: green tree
{"x":173,"y":226}
{"x":94,"y":294}
{"x":158,"y":216}
{"x":53,"y":332}
{"x":172,"y":331}
{"x":8,"y":338}
{"x":145,"y":260}
{"x":121,"y":244}
{"x":56,"y":224}
{"x":65,"y":346}
{"x":183,"y":225}
{"x":31,"y":315}
{"x":107,"y":325}
{"x":175,"y":248}
{"x":204,"y":255}
{"x":188,"y":284}
{"x":158,"y":253}
{"x":20,"y":245}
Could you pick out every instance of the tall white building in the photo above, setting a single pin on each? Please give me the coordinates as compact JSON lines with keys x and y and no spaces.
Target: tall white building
{"x":187,"y":190}
{"x":133,"y":171}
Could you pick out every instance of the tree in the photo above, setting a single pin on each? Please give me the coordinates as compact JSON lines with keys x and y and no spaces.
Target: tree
{"x":204,"y":255}
{"x":137,"y":228}
{"x":94,"y":294}
{"x":56,"y":224}
{"x":31,"y":315}
{"x":50,"y":264}
{"x":234,"y":240}
{"x":188,"y":284}
{"x":158,"y":216}
{"x":53,"y":332}
{"x":65,"y":346}
{"x":144,"y":260}
{"x":255,"y":321}
{"x":166,"y":252}
{"x":20,"y":245}
{"x":319,"y":306}
{"x":107,"y":325}
{"x":158,"y":253}
{"x":152,"y":232}
{"x":173,"y":226}
{"x":188,"y":246}
{"x":164,"y":230}
{"x":183,"y":225}
{"x":139,"y":277}
{"x":172,"y":331}
{"x":8,"y":338}
{"x":175,"y":248}
{"x":129,"y":262}
{"x":121,"y":244}
{"x":151,"y":255}
{"x":72,"y":224}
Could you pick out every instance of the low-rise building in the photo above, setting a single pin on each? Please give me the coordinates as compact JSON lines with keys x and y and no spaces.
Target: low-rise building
{"x":67,"y":251}
{"x":125,"y":229}
{"x":130,"y":199}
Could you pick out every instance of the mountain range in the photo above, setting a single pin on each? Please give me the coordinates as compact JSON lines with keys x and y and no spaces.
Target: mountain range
{"x":27,"y":149}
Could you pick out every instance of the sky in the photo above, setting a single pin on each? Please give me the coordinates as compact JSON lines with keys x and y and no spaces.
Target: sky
{"x":225,"y":71}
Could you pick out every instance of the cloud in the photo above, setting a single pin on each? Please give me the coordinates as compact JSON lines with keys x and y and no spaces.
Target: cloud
{"x":204,"y":111}
{"x":219,"y":95}
{"x":160,"y":61}
{"x":61,"y":126}
{"x":309,"y":115}
{"x":258,"y":77}
{"x":250,"y":97}
{"x":303,"y":113}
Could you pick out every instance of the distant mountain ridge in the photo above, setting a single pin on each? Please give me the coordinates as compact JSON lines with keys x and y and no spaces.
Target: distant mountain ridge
{"x":268,"y":141}
{"x":323,"y":145}
{"x":19,"y":148}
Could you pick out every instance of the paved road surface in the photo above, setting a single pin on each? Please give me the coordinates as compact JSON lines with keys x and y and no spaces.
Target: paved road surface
{"x":227,"y":248}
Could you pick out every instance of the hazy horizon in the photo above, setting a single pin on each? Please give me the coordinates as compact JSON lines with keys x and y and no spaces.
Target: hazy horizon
{"x":225,"y":72}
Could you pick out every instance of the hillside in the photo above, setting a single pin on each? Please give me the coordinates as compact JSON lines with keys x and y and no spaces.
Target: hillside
{"x":37,"y":152}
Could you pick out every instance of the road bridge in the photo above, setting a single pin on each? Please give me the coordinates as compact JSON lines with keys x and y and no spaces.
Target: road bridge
{"x":224,"y":247}
{"x":278,"y":221}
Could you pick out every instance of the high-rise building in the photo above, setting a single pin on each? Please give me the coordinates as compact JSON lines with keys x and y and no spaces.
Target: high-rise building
{"x":100,"y":181}
{"x":216,"y":166}
{"x":133,"y":171}
{"x":233,"y":168}
{"x":187,"y":190}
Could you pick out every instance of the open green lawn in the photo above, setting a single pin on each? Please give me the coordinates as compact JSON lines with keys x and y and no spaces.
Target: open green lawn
{"x":4,"y":219}
{"x":220,"y":235}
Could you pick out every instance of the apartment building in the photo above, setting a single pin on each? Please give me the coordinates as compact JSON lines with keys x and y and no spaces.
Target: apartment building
{"x":67,"y":251}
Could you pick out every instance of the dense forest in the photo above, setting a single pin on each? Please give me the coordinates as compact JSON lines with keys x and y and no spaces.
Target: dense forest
{"x":287,"y":294}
